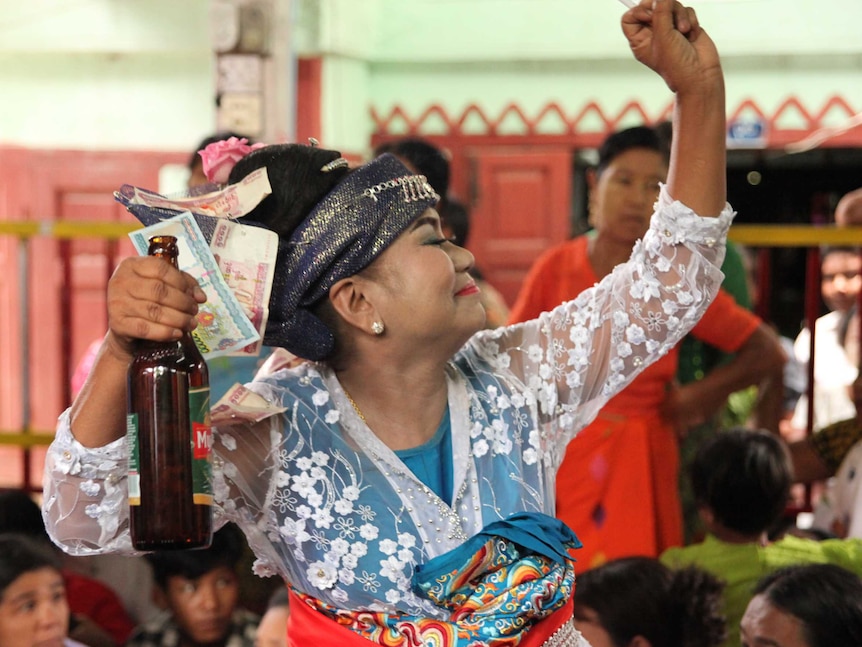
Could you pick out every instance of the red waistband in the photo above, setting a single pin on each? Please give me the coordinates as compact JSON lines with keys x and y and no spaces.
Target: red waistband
{"x":306,"y":627}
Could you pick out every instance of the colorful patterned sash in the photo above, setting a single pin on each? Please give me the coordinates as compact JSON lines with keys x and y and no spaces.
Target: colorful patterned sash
{"x":498,"y":587}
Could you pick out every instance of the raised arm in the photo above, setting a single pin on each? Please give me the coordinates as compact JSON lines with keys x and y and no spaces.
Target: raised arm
{"x":667,"y":38}
{"x":581,"y":354}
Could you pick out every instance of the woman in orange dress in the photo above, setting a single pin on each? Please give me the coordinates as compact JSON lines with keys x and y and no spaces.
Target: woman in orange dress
{"x":618,"y":485}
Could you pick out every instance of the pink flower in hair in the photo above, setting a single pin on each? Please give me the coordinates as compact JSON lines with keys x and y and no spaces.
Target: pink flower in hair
{"x":220,"y":157}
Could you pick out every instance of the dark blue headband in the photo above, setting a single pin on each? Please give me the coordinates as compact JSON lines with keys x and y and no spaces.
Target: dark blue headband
{"x":342,"y":235}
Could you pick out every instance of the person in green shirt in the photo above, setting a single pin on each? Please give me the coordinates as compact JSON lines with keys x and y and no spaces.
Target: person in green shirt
{"x":741,"y":481}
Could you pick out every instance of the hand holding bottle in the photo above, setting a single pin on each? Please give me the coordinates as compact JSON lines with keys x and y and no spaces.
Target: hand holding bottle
{"x":150,"y":299}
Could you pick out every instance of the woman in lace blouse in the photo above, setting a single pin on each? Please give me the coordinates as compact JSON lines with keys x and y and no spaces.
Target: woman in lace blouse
{"x":401,"y":481}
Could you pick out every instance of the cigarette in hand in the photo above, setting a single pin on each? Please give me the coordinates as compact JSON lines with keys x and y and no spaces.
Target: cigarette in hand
{"x":629,"y":3}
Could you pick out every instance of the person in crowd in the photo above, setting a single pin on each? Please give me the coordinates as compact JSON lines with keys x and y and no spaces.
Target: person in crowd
{"x":834,"y":368}
{"x":639,"y":602}
{"x":99,"y":617}
{"x":34,"y":610}
{"x":848,"y":211}
{"x":632,"y":446}
{"x":819,"y":455}
{"x":424,"y":158}
{"x":197,"y":177}
{"x":741,"y":479}
{"x":811,"y":605}
{"x":199,"y":593}
{"x":401,"y":481}
{"x":272,"y":630}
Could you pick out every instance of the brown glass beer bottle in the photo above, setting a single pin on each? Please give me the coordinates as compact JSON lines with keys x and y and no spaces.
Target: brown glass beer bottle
{"x":170,"y":439}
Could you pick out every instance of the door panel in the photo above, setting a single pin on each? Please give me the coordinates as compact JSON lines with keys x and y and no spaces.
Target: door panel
{"x":521,"y":205}
{"x":66,"y":280}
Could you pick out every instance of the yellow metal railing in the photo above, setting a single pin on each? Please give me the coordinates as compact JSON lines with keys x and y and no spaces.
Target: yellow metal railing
{"x":65,"y":230}
{"x":760,"y":236}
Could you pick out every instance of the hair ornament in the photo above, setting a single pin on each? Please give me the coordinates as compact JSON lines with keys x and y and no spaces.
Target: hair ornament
{"x":220,"y":157}
{"x":350,"y":227}
{"x":414,"y":188}
{"x":334,"y":164}
{"x":312,"y":141}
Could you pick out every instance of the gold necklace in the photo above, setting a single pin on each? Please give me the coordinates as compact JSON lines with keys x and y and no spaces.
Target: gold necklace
{"x":355,"y":406}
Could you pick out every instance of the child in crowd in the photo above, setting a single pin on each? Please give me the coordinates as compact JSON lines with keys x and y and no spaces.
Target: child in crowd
{"x":639,"y":602}
{"x":199,"y":592}
{"x":98,"y":616}
{"x":272,"y":630}
{"x":741,"y":481}
{"x":33,"y":607}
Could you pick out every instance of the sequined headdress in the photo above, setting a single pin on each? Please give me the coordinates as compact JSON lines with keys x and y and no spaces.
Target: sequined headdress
{"x":342,"y":235}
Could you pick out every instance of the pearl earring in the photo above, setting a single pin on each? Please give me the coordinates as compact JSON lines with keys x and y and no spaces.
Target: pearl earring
{"x":377,"y":328}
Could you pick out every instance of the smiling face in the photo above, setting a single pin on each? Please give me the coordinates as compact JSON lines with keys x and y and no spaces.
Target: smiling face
{"x":34,"y":611}
{"x":765,"y":625}
{"x":203,"y":606}
{"x":623,"y":195}
{"x":422,"y":287}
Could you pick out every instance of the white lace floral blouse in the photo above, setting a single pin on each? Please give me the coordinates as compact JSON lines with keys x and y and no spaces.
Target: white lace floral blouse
{"x":332,"y":510}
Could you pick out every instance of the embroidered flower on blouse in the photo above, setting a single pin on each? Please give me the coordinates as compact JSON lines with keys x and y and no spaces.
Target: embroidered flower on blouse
{"x":343,"y":506}
{"x":368,"y":531}
{"x":262,"y":568}
{"x":388,"y":547}
{"x":322,"y":575}
{"x":391,"y":568}
{"x":322,"y":518}
{"x":350,"y":492}
{"x":480,"y":448}
{"x":635,"y":334}
{"x":366,"y":512}
{"x":346,"y":576}
{"x":90,"y":487}
{"x":535,"y":353}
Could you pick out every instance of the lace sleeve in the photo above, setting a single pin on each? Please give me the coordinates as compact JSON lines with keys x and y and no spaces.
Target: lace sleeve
{"x":575,"y":358}
{"x":85,"y":504}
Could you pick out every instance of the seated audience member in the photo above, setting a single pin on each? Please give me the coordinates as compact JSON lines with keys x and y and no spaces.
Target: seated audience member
{"x":834,"y":368}
{"x":272,"y":630}
{"x":199,"y":592}
{"x":99,"y":617}
{"x":34,"y":611}
{"x":639,"y":602}
{"x":741,"y":480}
{"x":814,"y":605}
{"x":818,"y":456}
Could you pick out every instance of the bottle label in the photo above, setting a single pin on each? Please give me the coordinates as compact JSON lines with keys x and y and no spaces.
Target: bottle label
{"x":202,"y":445}
{"x":134,"y":459}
